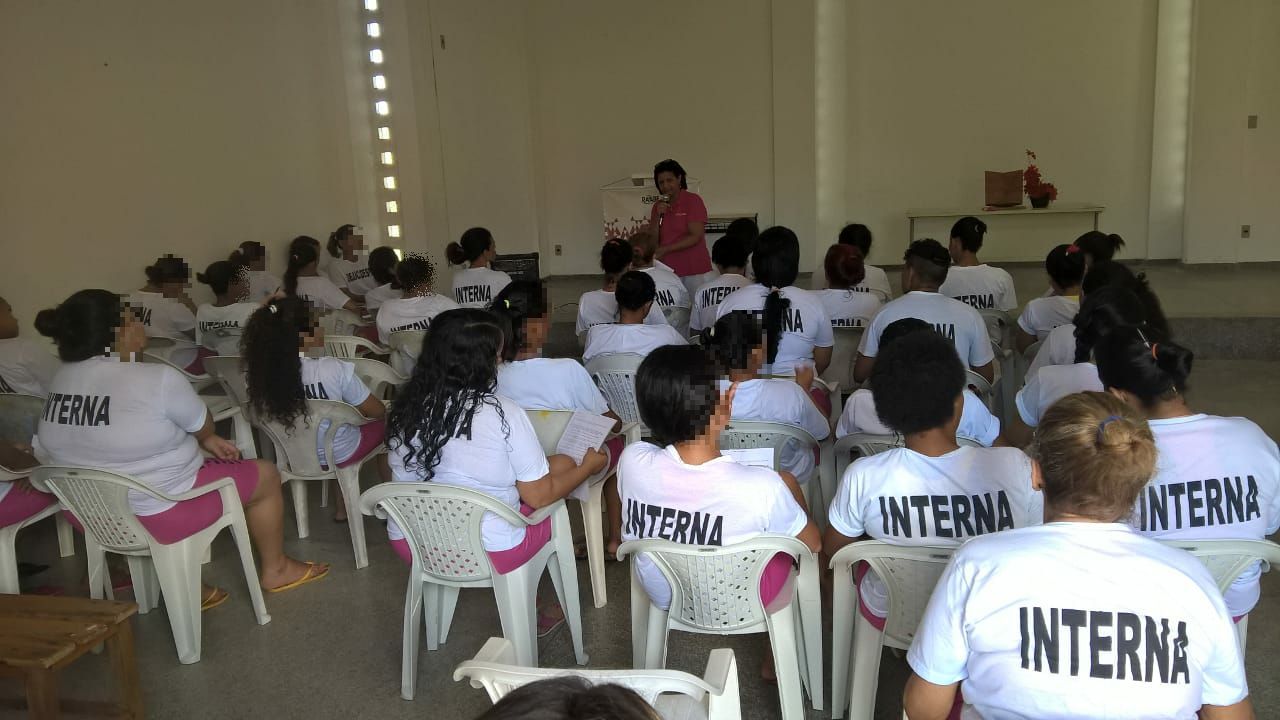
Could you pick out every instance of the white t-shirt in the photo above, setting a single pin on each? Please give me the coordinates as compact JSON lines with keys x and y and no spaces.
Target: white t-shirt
{"x":352,"y":275}
{"x":262,"y":285}
{"x":1217,"y":478}
{"x":706,"y":301}
{"x":330,"y":378}
{"x":550,"y":384}
{"x":1050,"y":384}
{"x":716,"y":503}
{"x":1046,"y":313}
{"x":477,"y":287}
{"x":805,"y":324}
{"x":599,"y":307}
{"x":906,"y":498}
{"x":412,"y":313}
{"x":379,"y":295}
{"x":874,"y":281}
{"x":783,"y":401}
{"x":1079,"y":620}
{"x":671,"y":292}
{"x":127,"y":417}
{"x":321,"y":293}
{"x":26,"y":367}
{"x":500,"y":451}
{"x":161,"y":316}
{"x":849,"y":308}
{"x":1059,"y":348}
{"x":859,"y":416}
{"x":952,"y":319}
{"x":220,"y":328}
{"x":639,"y":339}
{"x":982,"y":286}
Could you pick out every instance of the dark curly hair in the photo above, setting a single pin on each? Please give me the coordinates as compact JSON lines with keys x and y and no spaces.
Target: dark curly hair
{"x":455,"y":375}
{"x":915,"y":382}
{"x":269,"y":354}
{"x":571,"y":698}
{"x":415,"y":273}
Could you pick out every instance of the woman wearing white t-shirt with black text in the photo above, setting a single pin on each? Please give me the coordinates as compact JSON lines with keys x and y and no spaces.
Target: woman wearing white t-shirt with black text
{"x":875,"y":280}
{"x":166,"y":311}
{"x":975,"y":283}
{"x":631,"y":334}
{"x":382,"y":268}
{"x":1081,"y":617}
{"x":25,"y":365}
{"x":416,"y":276}
{"x":448,"y":425}
{"x":671,"y":293}
{"x":252,"y":256}
{"x":476,"y":285}
{"x":845,"y":271}
{"x":107,"y":410}
{"x":600,"y":307}
{"x":729,"y":254}
{"x":282,"y":375}
{"x":1217,"y":478}
{"x":220,"y":324}
{"x":302,"y":278}
{"x":1065,"y":266}
{"x":346,"y":267}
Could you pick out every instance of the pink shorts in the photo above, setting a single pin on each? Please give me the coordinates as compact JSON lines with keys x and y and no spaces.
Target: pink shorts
{"x":371,"y":435}
{"x":197,"y":366}
{"x":21,"y":503}
{"x":613,"y":447}
{"x":191,"y":516}
{"x":504,"y":561}
{"x":368,"y":332}
{"x":822,"y":399}
{"x":775,"y":576}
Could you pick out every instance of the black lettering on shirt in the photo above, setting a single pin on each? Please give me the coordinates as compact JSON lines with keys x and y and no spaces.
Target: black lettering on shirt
{"x":664,"y":298}
{"x":473,"y":294}
{"x":214,"y":325}
{"x":713,"y":296}
{"x":143,"y":315}
{"x":315,"y":391}
{"x":5,"y":387}
{"x":792,"y":321}
{"x":77,"y":410}
{"x":945,"y":516}
{"x":681,"y":526}
{"x":1210,"y":502}
{"x":850,"y":322}
{"x":981,"y":302}
{"x":357,"y":274}
{"x":422,"y":324}
{"x":946,"y":330}
{"x":1120,"y":646}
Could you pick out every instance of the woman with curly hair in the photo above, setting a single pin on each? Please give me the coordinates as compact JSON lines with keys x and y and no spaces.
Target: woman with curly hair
{"x":281,"y":378}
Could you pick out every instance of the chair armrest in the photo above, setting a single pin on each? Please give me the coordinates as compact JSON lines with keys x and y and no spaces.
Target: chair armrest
{"x":542,"y":513}
{"x":199,"y":490}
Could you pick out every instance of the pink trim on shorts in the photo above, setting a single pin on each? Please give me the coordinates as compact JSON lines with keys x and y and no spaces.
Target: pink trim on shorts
{"x":191,"y":516}
{"x":1235,"y":619}
{"x":860,"y":571}
{"x":197,"y":366}
{"x":504,"y":561}
{"x":368,"y":332}
{"x":371,"y":435}
{"x":613,"y":448}
{"x":21,"y":503}
{"x":822,"y":399}
{"x":775,"y":576}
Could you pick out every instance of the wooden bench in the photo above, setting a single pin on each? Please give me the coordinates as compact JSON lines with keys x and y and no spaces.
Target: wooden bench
{"x":40,"y":635}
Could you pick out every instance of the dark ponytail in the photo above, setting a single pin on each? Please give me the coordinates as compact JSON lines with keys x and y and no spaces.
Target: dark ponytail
{"x":1100,"y":313}
{"x":1065,"y":265}
{"x":382,"y":265}
{"x":249,"y":252}
{"x":84,"y":325}
{"x":301,"y":254}
{"x":1099,"y":245}
{"x":1140,"y":361}
{"x":473,"y":243}
{"x":732,"y":340}
{"x":517,"y":303}
{"x":168,"y":269}
{"x":969,"y":231}
{"x":1108,"y":273}
{"x":219,"y":276}
{"x":337,"y":236}
{"x":776,"y":263}
{"x":270,"y":355}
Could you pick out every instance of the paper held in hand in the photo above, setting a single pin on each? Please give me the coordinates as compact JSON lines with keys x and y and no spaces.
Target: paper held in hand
{"x":585,"y":431}
{"x":754,"y":457}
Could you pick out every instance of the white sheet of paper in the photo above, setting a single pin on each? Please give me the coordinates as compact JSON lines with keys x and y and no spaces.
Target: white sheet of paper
{"x":585,"y":431}
{"x":754,"y":457}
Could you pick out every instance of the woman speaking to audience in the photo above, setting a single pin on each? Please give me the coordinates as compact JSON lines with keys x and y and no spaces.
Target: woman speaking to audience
{"x":680,"y":218}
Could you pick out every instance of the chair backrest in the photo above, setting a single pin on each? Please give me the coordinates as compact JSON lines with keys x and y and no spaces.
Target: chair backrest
{"x":227,"y":371}
{"x":19,"y":417}
{"x":999,"y":328}
{"x":1227,"y":559}
{"x":759,"y":434}
{"x":615,"y":374}
{"x":909,"y":575}
{"x":1032,"y":350}
{"x":378,"y":376}
{"x":715,"y":589}
{"x":677,"y":317}
{"x":549,"y":426}
{"x":865,"y":445}
{"x":100,"y":501}
{"x":406,"y":345}
{"x":441,"y":524}
{"x":348,"y":346}
{"x":163,"y":358}
{"x":980,"y":387}
{"x":296,"y":444}
{"x":843,"y":355}
{"x":339,"y":322}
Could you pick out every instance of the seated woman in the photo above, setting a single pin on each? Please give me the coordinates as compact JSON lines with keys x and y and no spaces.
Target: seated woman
{"x":729,"y":255}
{"x":382,"y":268}
{"x":302,"y":279}
{"x":632,"y":333}
{"x":282,"y":376}
{"x":860,"y":416}
{"x":166,"y":311}
{"x":600,"y":307}
{"x":25,"y":365}
{"x":1065,"y":266}
{"x":448,"y":425}
{"x":671,"y":291}
{"x":959,"y":492}
{"x":1080,"y":617}
{"x":345,"y":269}
{"x":971,"y":281}
{"x":220,"y":324}
{"x":477,"y":283}
{"x":114,"y":413}
{"x":737,"y":344}
{"x":844,"y":302}
{"x":1227,"y":468}
{"x":415,"y":310}
{"x":252,"y":256}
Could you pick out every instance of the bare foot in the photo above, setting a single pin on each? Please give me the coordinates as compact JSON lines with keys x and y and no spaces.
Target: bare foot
{"x":290,"y":571}
{"x":611,"y":550}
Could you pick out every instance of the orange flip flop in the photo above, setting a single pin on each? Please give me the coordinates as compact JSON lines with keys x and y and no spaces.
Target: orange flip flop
{"x":312,"y":574}
{"x":216,"y":598}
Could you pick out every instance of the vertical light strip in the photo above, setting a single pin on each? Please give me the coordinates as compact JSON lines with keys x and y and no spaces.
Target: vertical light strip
{"x":381,"y":114}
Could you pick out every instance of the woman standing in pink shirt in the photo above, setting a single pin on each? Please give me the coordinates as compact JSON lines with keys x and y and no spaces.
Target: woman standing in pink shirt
{"x":680,"y":221}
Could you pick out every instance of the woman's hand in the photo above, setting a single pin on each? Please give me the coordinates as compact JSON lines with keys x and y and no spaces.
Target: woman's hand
{"x":594,"y":461}
{"x":220,"y":448}
{"x":660,"y":208}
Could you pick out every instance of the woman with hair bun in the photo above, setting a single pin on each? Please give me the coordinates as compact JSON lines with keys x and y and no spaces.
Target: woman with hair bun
{"x":600,"y":307}
{"x":477,"y":283}
{"x":1081,"y":617}
{"x":252,"y":256}
{"x":1097,"y":246}
{"x":1218,"y":478}
{"x":220,"y":324}
{"x":165,"y":310}
{"x":971,"y":281}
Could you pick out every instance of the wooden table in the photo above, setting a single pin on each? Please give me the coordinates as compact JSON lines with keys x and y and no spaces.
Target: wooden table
{"x":40,"y":635}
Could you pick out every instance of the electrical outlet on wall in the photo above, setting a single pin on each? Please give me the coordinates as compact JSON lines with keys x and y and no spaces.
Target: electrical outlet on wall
{"x":559,"y":250}
{"x":1245,"y":230}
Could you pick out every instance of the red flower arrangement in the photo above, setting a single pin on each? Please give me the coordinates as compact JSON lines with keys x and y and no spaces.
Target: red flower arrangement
{"x":1033,"y":184}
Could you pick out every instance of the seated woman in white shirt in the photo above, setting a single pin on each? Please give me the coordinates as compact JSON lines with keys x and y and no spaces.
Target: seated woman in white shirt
{"x":382,"y":268}
{"x":416,"y":276}
{"x":847,"y":305}
{"x":631,"y":334}
{"x":282,"y":375}
{"x":860,"y":416}
{"x":252,"y":256}
{"x":112,"y":412}
{"x":729,"y":255}
{"x":1227,"y":468}
{"x":737,"y":343}
{"x":600,"y":307}
{"x":671,"y":294}
{"x":714,"y":500}
{"x":346,"y":268}
{"x":448,"y":425}
{"x":984,"y":287}
{"x":302,"y":279}
{"x":933,"y":491}
{"x":1081,"y":617}
{"x":220,"y":324}
{"x":25,"y":365}
{"x":1065,"y":267}
{"x":476,"y":285}
{"x":167,"y":311}
{"x":875,"y":281}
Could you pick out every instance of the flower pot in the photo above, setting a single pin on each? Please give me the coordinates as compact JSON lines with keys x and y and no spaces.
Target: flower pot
{"x":1040,"y":202}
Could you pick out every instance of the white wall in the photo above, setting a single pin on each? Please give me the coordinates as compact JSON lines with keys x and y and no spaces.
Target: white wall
{"x":135,"y":129}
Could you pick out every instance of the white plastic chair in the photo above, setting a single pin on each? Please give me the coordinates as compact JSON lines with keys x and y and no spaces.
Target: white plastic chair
{"x":198,"y":382}
{"x":19,"y":416}
{"x":980,"y":387}
{"x":775,"y":435}
{"x":615,"y":375}
{"x":672,"y":693}
{"x":678,"y":318}
{"x":348,"y":347}
{"x":234,"y":402}
{"x":716,"y":590}
{"x":100,"y":501}
{"x":1227,"y":559}
{"x":379,"y":377}
{"x":843,"y":356}
{"x":340,"y":322}
{"x":442,"y":527}
{"x":299,"y":464}
{"x":405,"y":345}
{"x":865,"y":445}
{"x":999,"y":327}
{"x":909,"y":575}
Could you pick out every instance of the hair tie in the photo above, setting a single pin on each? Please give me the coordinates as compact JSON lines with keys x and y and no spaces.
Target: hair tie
{"x":1153,"y":351}
{"x":1145,"y":342}
{"x":1073,"y":249}
{"x":506,"y":303}
{"x":1103,"y":425}
{"x":273,"y":308}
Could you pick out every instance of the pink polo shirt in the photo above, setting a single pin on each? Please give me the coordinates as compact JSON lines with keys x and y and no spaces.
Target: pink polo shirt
{"x":687,"y":208}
